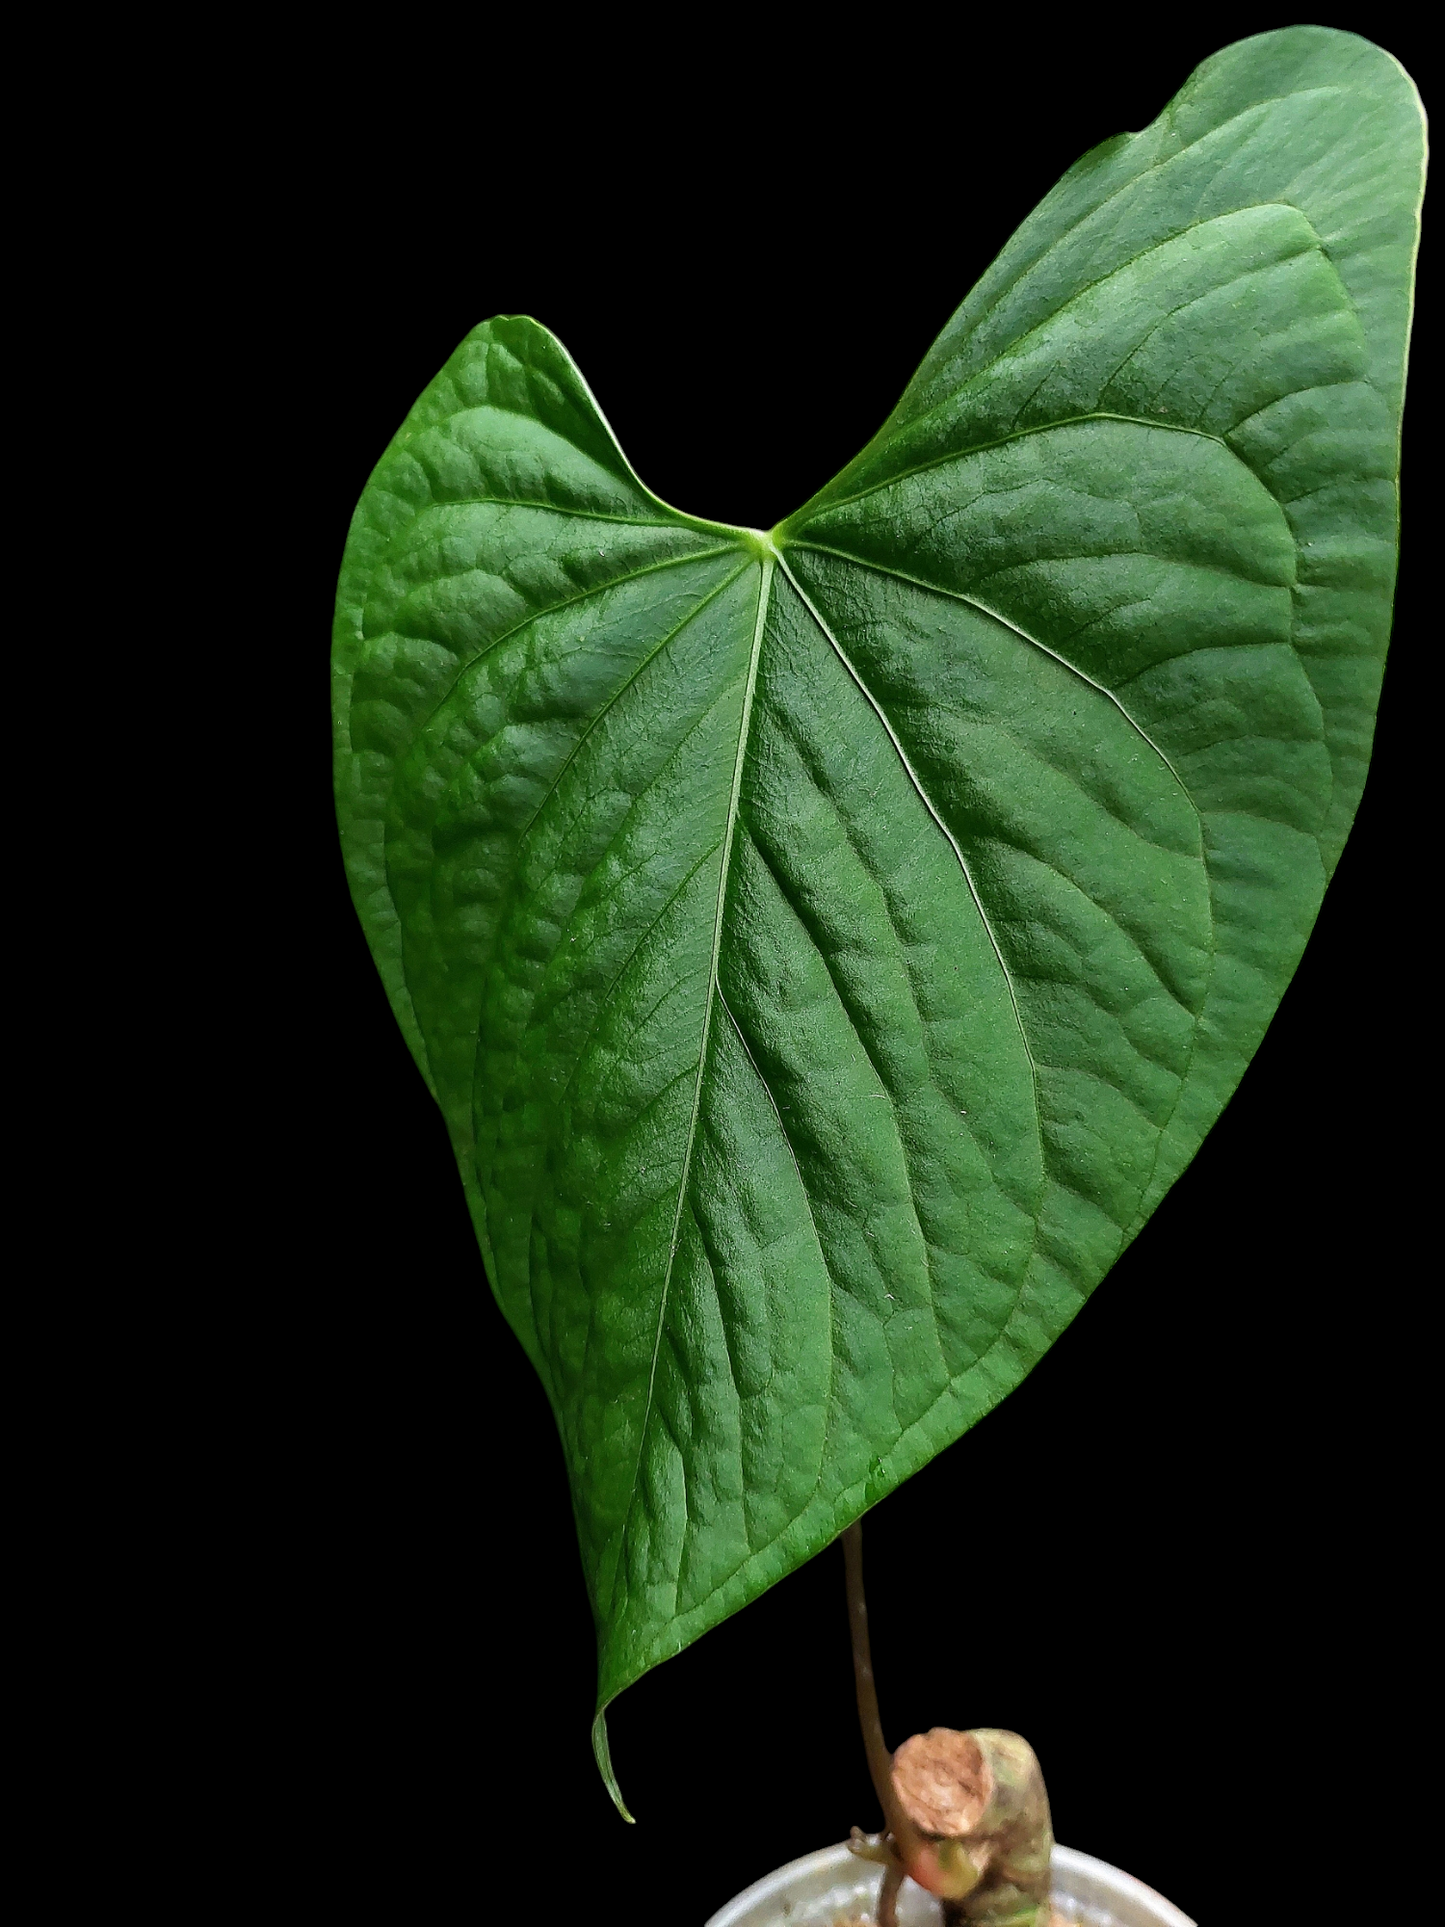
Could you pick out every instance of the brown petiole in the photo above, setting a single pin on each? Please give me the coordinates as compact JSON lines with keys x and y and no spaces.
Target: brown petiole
{"x":902,"y":1844}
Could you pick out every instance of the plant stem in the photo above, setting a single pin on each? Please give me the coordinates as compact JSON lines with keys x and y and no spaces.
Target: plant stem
{"x":888,"y":1895}
{"x":880,"y":1760}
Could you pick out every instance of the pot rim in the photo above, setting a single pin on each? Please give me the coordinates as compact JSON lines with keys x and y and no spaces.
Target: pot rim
{"x":1077,"y":1870}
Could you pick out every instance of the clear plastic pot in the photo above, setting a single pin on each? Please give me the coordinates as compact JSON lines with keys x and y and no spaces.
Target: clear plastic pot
{"x":833,"y":1885}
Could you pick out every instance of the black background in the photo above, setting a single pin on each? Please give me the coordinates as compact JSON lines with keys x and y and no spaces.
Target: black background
{"x":1179,"y":1558}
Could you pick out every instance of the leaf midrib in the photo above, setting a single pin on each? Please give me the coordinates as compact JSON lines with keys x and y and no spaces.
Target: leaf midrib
{"x":768,"y":569}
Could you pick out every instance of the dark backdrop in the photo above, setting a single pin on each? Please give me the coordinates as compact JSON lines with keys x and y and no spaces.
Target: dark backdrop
{"x":1179,"y":1558}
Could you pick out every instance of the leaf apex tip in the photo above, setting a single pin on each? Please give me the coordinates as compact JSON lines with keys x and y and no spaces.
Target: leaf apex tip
{"x":602,"y":1753}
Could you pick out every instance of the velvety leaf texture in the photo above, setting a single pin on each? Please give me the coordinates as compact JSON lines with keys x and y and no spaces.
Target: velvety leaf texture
{"x":828,"y":946}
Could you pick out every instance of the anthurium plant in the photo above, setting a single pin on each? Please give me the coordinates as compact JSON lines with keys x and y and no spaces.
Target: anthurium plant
{"x":828,"y":943}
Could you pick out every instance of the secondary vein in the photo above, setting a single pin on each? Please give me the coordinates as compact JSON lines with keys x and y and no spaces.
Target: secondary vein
{"x":972,"y":602}
{"x":933,"y":811}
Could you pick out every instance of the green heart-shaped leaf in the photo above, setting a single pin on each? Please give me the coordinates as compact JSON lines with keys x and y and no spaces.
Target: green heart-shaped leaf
{"x":828,"y":946}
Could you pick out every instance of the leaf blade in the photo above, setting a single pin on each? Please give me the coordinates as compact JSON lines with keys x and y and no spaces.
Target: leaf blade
{"x":826,"y":949}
